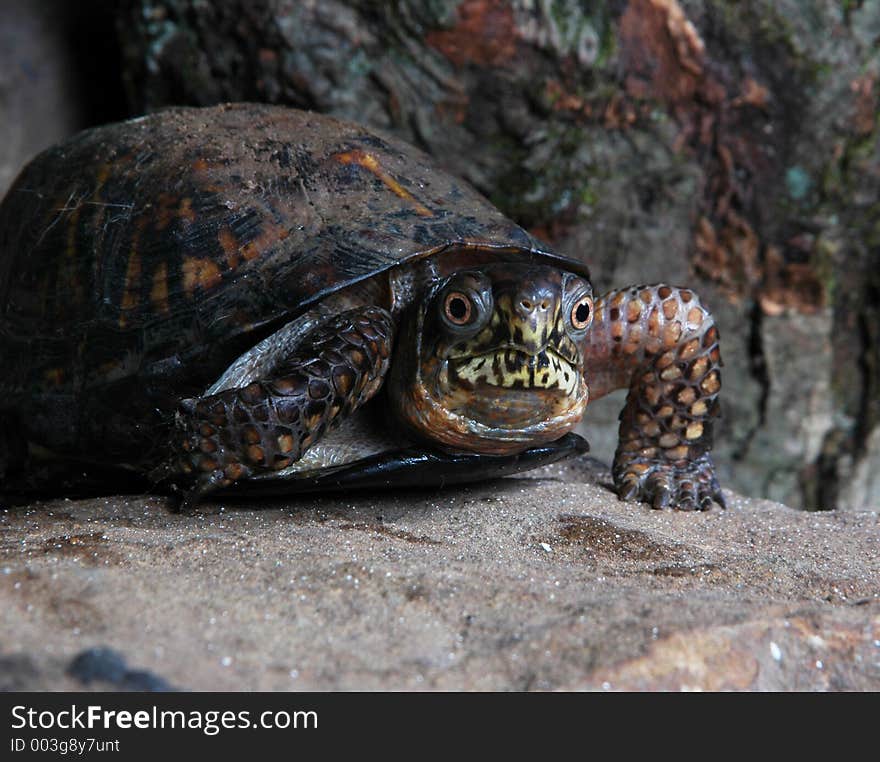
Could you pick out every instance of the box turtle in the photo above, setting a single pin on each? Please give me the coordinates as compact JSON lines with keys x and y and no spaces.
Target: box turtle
{"x":258,"y":300}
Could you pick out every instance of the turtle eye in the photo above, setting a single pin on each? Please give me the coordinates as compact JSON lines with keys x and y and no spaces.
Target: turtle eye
{"x":581,"y":313}
{"x":465,"y":303}
{"x":457,"y":308}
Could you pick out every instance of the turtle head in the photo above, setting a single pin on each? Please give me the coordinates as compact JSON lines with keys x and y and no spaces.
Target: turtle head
{"x":492,"y":359}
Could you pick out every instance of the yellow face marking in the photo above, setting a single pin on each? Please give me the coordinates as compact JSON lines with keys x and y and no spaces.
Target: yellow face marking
{"x":532,"y":332}
{"x":520,"y":349}
{"x":371,"y":164}
{"x":199,"y":272}
{"x":159,"y":292}
{"x":557,"y":374}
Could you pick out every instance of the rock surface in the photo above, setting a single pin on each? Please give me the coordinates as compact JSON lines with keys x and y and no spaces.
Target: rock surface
{"x":540,"y":582}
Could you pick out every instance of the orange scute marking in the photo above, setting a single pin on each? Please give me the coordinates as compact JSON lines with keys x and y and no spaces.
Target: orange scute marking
{"x":250,"y":251}
{"x":101,"y":177}
{"x":229,"y":244}
{"x":186,"y":211}
{"x":159,"y":292}
{"x":130,"y":295}
{"x":361,"y":158}
{"x":271,"y":234}
{"x":165,"y":211}
{"x":371,"y":164}
{"x":199,"y":272}
{"x":55,"y":376}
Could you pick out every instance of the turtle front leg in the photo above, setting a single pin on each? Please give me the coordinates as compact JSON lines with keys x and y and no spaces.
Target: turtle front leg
{"x":269,"y":423}
{"x":661,"y":343}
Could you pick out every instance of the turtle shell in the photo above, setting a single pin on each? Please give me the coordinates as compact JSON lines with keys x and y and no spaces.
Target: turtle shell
{"x":138,"y":259}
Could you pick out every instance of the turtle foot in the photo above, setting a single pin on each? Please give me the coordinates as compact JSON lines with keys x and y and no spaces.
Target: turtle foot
{"x":683,"y":486}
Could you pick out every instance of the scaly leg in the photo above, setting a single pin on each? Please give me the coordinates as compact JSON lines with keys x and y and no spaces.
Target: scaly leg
{"x":661,"y":343}
{"x":269,"y":423}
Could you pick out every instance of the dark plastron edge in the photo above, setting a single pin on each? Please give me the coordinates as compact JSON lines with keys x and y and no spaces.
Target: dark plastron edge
{"x":408,"y":468}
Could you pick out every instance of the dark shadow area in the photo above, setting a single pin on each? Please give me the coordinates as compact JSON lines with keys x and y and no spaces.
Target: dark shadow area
{"x":89,"y":32}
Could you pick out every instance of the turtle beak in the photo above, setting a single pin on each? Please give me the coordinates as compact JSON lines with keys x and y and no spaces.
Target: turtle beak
{"x":532,"y":316}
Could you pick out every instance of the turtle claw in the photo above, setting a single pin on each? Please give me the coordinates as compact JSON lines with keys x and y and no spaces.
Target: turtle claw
{"x":689,"y":486}
{"x":659,"y":491}
{"x":628,"y":490}
{"x":187,"y":498}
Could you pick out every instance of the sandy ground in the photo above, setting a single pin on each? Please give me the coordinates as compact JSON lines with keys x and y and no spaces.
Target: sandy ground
{"x":539,"y":582}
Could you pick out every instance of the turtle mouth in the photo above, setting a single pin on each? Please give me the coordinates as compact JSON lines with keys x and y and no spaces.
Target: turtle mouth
{"x":514,"y":368}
